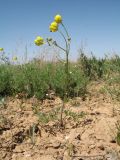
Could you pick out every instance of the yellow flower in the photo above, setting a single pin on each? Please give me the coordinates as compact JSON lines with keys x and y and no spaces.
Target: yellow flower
{"x":14,"y":58}
{"x":1,"y":49}
{"x":54,"y":24}
{"x":53,"y":27}
{"x":58,"y":18}
{"x":39,"y":41}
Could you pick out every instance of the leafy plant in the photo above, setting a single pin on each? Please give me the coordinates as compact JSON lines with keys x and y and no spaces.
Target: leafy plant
{"x":54,"y":26}
{"x":74,"y":115}
{"x":46,"y":117}
{"x":92,"y":67}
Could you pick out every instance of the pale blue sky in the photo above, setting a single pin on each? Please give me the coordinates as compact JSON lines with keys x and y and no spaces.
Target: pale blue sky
{"x":93,"y":23}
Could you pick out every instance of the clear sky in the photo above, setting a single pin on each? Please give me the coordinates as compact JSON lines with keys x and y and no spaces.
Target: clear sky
{"x":93,"y":23}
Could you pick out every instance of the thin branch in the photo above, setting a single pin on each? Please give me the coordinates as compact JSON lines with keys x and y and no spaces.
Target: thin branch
{"x":59,"y":47}
{"x":64,"y":39}
{"x":65,"y":30}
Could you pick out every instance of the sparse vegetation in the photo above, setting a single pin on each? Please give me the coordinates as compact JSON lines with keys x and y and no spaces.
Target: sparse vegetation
{"x":73,"y":115}
{"x":44,"y":81}
{"x":46,"y":117}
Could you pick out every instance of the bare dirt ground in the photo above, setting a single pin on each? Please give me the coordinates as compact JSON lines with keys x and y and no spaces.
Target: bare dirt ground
{"x":89,"y":131}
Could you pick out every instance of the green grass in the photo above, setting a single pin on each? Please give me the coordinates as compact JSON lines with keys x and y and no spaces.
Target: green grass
{"x":46,"y":117}
{"x":73,"y":115}
{"x":33,"y":79}
{"x":37,"y":77}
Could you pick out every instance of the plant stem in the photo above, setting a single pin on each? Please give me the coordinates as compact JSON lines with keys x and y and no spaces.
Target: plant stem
{"x":66,"y":91}
{"x":60,"y":47}
{"x":67,"y":62}
{"x":65,"y":30}
{"x":61,"y":114}
{"x":67,"y":73}
{"x":64,"y":39}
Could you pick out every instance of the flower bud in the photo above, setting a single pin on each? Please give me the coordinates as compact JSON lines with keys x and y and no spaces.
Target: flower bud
{"x":14,"y":58}
{"x":1,"y":49}
{"x":58,"y":18}
{"x":53,"y":27}
{"x":39,"y":41}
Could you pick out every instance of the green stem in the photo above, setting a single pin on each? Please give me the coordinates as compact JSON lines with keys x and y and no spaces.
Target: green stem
{"x":65,"y":30}
{"x":64,"y":38}
{"x":60,"y":47}
{"x":69,"y":39}
{"x":67,"y":72}
{"x":67,"y":62}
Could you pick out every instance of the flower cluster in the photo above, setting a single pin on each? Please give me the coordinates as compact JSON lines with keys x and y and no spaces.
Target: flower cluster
{"x":39,"y":41}
{"x":53,"y":28}
{"x":54,"y":25}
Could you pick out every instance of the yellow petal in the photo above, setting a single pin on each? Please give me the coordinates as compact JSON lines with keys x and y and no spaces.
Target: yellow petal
{"x":39,"y":38}
{"x":58,"y":18}
{"x":55,"y":24}
{"x":38,"y":42}
{"x":53,"y":28}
